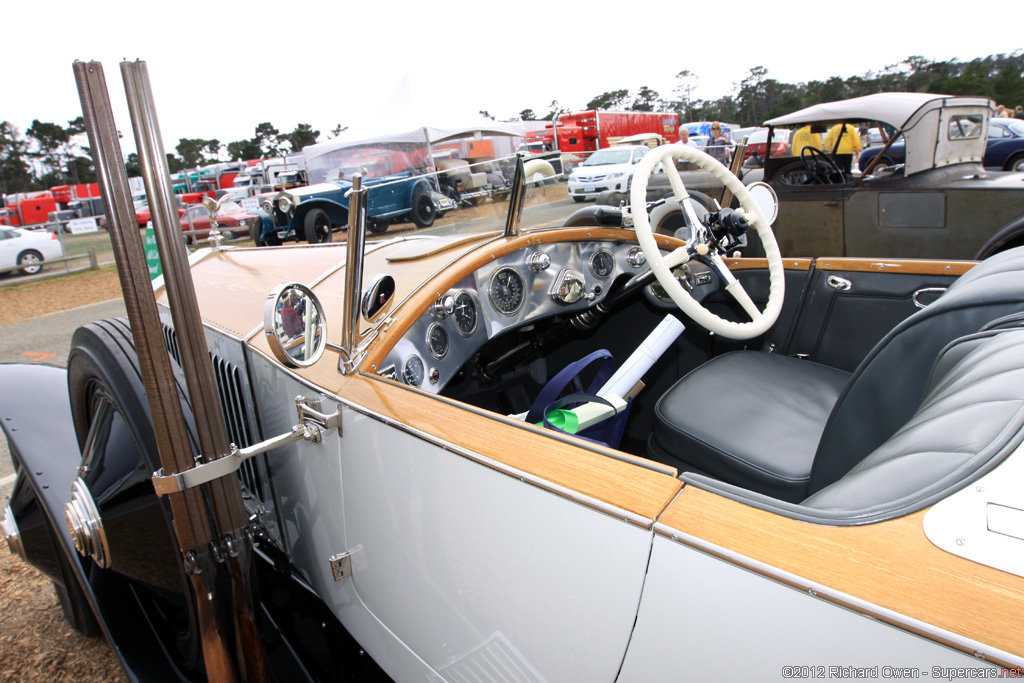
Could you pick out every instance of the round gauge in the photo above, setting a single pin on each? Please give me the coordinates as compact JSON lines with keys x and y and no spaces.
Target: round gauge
{"x":437,"y":341}
{"x":602,"y":263}
{"x":465,"y":314}
{"x":413,"y":371}
{"x":507,"y":291}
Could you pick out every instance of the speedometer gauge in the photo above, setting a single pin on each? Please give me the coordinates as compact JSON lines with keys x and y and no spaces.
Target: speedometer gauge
{"x":413,"y":371}
{"x":465,"y":314}
{"x":507,"y":291}
{"x":437,"y":341}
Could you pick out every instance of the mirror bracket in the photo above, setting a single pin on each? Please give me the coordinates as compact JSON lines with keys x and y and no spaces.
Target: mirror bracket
{"x":312,"y":424}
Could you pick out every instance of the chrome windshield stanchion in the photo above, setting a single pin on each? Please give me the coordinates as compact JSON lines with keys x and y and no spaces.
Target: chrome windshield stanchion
{"x":349,"y":352}
{"x":515,"y":200}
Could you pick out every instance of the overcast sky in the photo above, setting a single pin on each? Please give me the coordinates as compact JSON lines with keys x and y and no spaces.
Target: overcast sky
{"x":218,"y":69}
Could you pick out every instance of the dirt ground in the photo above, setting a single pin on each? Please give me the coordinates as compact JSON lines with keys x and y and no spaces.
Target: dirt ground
{"x":36,"y":643}
{"x":33,"y":299}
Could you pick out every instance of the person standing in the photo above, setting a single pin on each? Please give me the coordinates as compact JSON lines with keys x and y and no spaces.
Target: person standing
{"x":719,"y":146}
{"x":684,"y":139}
{"x":803,"y":137}
{"x":848,"y":140}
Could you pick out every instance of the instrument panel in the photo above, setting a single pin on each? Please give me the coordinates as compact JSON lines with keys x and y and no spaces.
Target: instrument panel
{"x":512,"y":291}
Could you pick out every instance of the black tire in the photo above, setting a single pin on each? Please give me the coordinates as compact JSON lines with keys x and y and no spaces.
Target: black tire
{"x":578,"y":199}
{"x":377,"y":227}
{"x":30,"y":261}
{"x":1015,"y":163}
{"x":423,"y":210}
{"x":104,"y":376}
{"x":317,"y":225}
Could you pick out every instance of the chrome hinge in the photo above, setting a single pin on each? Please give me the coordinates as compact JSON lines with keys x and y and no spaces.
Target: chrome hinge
{"x":312,"y":423}
{"x":341,"y":565}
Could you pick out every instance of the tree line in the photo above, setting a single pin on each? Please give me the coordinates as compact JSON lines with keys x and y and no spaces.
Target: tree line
{"x":48,"y":154}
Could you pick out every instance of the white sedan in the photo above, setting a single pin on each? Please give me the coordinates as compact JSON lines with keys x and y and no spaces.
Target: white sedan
{"x":27,"y":249}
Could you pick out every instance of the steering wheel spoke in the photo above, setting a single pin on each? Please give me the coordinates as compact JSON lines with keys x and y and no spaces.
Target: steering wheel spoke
{"x":701,"y":247}
{"x":814,"y":165}
{"x":677,"y":258}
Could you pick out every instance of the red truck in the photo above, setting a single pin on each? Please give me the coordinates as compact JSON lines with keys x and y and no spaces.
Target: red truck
{"x":589,"y":131}
{"x":26,"y":209}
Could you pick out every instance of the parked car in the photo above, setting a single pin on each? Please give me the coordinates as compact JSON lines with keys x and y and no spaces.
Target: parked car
{"x":815,"y":471}
{"x":313,"y":212}
{"x":232,"y":221}
{"x":27,"y":249}
{"x":758,"y":142}
{"x":925,"y":208}
{"x":1005,"y":149}
{"x":606,"y":169}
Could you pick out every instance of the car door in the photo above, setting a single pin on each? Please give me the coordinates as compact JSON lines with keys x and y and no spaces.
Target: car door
{"x":464,"y":566}
{"x":810,"y":221}
{"x":7,"y":249}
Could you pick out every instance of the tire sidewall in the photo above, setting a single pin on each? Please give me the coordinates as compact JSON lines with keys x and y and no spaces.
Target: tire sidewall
{"x":423,"y":210}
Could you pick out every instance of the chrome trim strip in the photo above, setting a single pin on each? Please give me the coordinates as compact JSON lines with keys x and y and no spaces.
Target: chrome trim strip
{"x":967,"y":645}
{"x":525,"y":477}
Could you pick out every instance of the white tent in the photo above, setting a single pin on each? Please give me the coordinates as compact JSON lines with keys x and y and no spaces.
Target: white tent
{"x":323,"y":157}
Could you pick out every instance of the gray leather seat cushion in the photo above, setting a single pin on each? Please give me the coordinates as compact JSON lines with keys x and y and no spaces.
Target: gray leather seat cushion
{"x":782,"y":403}
{"x":972,"y":414}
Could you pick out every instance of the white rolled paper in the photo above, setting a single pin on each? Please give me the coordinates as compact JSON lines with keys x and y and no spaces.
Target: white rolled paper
{"x":641,"y":360}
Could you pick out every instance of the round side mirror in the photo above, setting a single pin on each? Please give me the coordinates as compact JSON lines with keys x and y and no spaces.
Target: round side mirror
{"x":377,"y":296}
{"x":293,"y":322}
{"x":766,"y":198}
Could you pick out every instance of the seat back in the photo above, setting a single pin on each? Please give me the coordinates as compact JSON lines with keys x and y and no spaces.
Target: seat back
{"x":887,"y":387}
{"x":970,"y":417}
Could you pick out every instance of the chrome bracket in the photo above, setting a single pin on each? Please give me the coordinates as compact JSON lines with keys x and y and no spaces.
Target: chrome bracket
{"x":840,"y":283}
{"x":312,"y":423}
{"x":341,"y":565}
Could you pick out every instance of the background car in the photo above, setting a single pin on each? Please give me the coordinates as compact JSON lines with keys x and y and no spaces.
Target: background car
{"x":606,"y":169}
{"x":312,"y":212}
{"x":232,"y":221}
{"x":925,"y":208}
{"x":758,"y":142}
{"x":27,"y":249}
{"x":1005,"y":150}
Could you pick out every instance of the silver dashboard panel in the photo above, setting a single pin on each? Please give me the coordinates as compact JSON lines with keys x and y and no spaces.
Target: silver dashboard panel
{"x":538,"y":303}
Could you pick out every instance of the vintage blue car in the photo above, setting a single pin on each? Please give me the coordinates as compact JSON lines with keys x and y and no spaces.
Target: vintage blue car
{"x":312,"y":212}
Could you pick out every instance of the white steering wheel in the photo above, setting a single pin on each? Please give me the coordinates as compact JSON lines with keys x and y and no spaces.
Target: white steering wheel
{"x":702,"y":247}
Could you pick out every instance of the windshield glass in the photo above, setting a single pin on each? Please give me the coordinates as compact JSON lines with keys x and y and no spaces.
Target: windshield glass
{"x":608,"y":156}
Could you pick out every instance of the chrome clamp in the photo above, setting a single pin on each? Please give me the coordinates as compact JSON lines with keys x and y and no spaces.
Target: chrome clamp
{"x":312,"y":424}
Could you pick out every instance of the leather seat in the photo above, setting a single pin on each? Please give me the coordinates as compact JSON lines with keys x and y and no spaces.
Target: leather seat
{"x":788,"y":428}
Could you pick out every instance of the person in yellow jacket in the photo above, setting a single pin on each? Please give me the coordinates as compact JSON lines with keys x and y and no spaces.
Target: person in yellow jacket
{"x":849,"y":144}
{"x":805,"y":138}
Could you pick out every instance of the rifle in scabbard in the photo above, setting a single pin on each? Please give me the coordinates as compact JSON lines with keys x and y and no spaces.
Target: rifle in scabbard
{"x":209,"y":521}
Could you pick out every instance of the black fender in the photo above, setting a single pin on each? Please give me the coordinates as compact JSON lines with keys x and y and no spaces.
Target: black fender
{"x":1009,"y":236}
{"x":36,"y":416}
